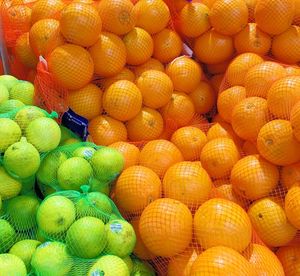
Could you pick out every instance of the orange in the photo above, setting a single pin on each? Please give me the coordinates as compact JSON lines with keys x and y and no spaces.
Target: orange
{"x":221,"y":260}
{"x":249,"y":148}
{"x":24,"y":52}
{"x":292,"y":71}
{"x":218,"y":157}
{"x":156,"y":88}
{"x":211,"y":225}
{"x":217,"y":119}
{"x":185,"y":74}
{"x":150,"y":64}
{"x":290,"y":175}
{"x":188,"y":183}
{"x":277,"y":144}
{"x":130,"y":153}
{"x":228,"y":17}
{"x":44,"y":37}
{"x":249,"y":116}
{"x":136,"y":188}
{"x":71,"y":66}
{"x":122,"y":100}
{"x":139,"y":46}
{"x":117,"y":16}
{"x":251,"y":9}
{"x":105,"y":130}
{"x":159,"y":155}
{"x":216,"y":81}
{"x":180,"y":109}
{"x":44,"y":9}
{"x":228,"y":99}
{"x":194,"y":19}
{"x":270,"y":222}
{"x":109,"y":55}
{"x":292,"y":205}
{"x":289,"y":257}
{"x":218,"y":68}
{"x":283,"y":95}
{"x":252,"y":39}
{"x":167,"y":45}
{"x":166,"y":233}
{"x":295,"y":120}
{"x":148,"y":124}
{"x":274,"y":16}
{"x":260,"y":78}
{"x":218,"y":47}
{"x":19,"y":18}
{"x":296,"y":20}
{"x":238,"y":68}
{"x":203,"y":98}
{"x":220,"y":182}
{"x":285,"y":46}
{"x":152,"y":15}
{"x":253,"y":177}
{"x":140,"y":250}
{"x":190,"y":141}
{"x":263,"y":260}
{"x":86,"y":102}
{"x":83,"y":32}
{"x":208,"y":3}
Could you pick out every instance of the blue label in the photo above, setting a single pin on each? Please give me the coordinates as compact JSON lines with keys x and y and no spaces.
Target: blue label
{"x":116,"y":227}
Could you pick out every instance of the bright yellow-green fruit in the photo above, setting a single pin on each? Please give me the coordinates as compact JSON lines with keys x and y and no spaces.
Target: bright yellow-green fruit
{"x":23,"y":91}
{"x":9,"y":187}
{"x":7,"y":236}
{"x":12,"y":265}
{"x":10,"y":133}
{"x":10,"y":105}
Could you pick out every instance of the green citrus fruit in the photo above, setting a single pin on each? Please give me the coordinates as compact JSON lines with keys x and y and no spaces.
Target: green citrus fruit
{"x":10,"y":105}
{"x":84,"y":152}
{"x":8,"y":81}
{"x":9,"y":187}
{"x":4,"y":94}
{"x":23,"y":91}
{"x":12,"y":265}
{"x":7,"y":236}
{"x":10,"y":133}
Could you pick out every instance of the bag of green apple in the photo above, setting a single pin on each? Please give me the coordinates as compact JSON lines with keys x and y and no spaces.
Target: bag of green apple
{"x":71,"y":166}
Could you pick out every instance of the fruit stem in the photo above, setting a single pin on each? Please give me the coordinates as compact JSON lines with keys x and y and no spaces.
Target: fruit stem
{"x":85,"y":189}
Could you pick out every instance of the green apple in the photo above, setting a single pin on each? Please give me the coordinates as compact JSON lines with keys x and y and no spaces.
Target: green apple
{"x":8,"y":81}
{"x":10,"y":105}
{"x":121,"y":238}
{"x":12,"y":265}
{"x":10,"y":133}
{"x":129,"y":263}
{"x":99,"y":186}
{"x":9,"y":187}
{"x":109,"y":266}
{"x":86,"y":238}
{"x":84,"y":152}
{"x":4,"y":94}
{"x":24,"y":250}
{"x":7,"y":236}
{"x":23,"y":91}
{"x":55,"y":215}
{"x":51,"y":258}
{"x":141,"y":268}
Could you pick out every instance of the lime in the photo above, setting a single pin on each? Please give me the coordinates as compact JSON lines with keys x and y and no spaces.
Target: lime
{"x":8,"y":81}
{"x":23,"y":91}
{"x":141,"y":268}
{"x":10,"y":133}
{"x":4,"y":94}
{"x":7,"y":236}
{"x":70,"y":141}
{"x":10,"y":105}
{"x":12,"y":265}
{"x":129,"y":263}
{"x":9,"y":187}
{"x":84,"y":152}
{"x":99,"y":186}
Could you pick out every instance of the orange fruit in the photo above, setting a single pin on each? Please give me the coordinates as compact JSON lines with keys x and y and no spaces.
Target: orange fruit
{"x":203,"y":98}
{"x":211,"y":225}
{"x":277,"y":144}
{"x":285,"y":46}
{"x":109,"y":55}
{"x":254,"y":110}
{"x":253,"y":177}
{"x":24,"y":53}
{"x":292,"y":71}
{"x":292,"y":205}
{"x":221,"y":260}
{"x":166,"y":233}
{"x":252,"y":39}
{"x":122,"y":100}
{"x":190,"y":141}
{"x":185,"y":74}
{"x":263,"y":260}
{"x":148,"y":124}
{"x":45,"y":36}
{"x":136,"y":188}
{"x":260,"y":78}
{"x":19,"y":18}
{"x":220,"y":182}
{"x":105,"y":130}
{"x":167,"y":45}
{"x":218,"y":157}
{"x":266,"y":11}
{"x":150,"y":64}
{"x":208,"y":3}
{"x":249,"y":148}
{"x":238,"y":68}
{"x":218,"y":68}
{"x":289,"y":257}
{"x":228,"y":99}
{"x":188,"y":183}
{"x":130,"y":153}
{"x":218,"y":119}
{"x":159,"y":155}
{"x":295,"y":120}
{"x":152,"y":15}
{"x":228,"y":17}
{"x":218,"y":47}
{"x":156,"y":88}
{"x":290,"y":175}
{"x":283,"y":95}
{"x":180,"y":109}
{"x":251,"y":9}
{"x":296,"y":20}
{"x":83,"y":32}
{"x":270,"y":222}
{"x":194,"y":19}
{"x":216,"y":81}
{"x":139,"y":46}
{"x":86,"y":102}
{"x":44,"y":9}
{"x":140,"y":250}
{"x":117,"y":16}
